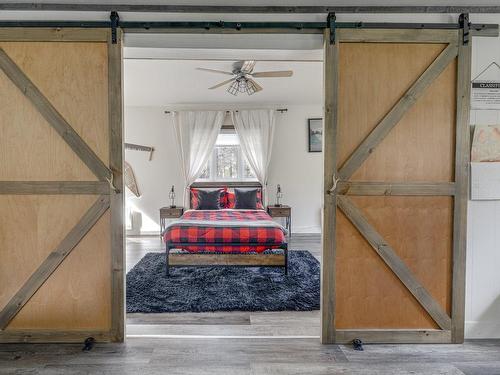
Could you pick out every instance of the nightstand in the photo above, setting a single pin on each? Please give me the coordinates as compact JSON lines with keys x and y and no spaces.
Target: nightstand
{"x":282,"y":211}
{"x":169,"y":213}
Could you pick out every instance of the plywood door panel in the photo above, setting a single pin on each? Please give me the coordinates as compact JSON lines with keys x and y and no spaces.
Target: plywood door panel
{"x":82,"y":279}
{"x":29,"y":145}
{"x":420,"y":231}
{"x":429,"y":125}
{"x":368,"y":295}
{"x":76,"y":297}
{"x":74,"y":77}
{"x":31,"y":227}
{"x":373,"y":77}
{"x":420,"y":148}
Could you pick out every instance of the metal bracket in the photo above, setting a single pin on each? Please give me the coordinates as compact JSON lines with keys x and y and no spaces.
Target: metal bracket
{"x":464,"y":24}
{"x":115,"y":18}
{"x":88,"y":344}
{"x":331,"y":25}
{"x":357,"y":344}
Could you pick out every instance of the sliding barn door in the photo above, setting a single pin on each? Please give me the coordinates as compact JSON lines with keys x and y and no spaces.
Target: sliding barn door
{"x":396,"y":160}
{"x":61,"y":231}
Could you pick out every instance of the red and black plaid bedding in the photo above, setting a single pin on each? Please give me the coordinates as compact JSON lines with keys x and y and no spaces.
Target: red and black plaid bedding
{"x":231,"y":228}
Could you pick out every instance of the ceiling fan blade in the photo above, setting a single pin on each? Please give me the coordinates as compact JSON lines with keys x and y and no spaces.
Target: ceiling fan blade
{"x":257,"y":86}
{"x":215,"y":71}
{"x":221,"y":84}
{"x":248,"y":66}
{"x":277,"y":73}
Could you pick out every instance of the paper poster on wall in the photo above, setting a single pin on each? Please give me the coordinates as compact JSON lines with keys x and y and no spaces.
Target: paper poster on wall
{"x":485,"y":166}
{"x":485,"y":92}
{"x":486,"y":143}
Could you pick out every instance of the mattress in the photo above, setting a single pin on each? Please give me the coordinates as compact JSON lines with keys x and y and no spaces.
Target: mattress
{"x":230,"y":231}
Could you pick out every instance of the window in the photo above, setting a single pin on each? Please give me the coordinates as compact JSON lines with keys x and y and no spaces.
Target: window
{"x":227,"y":161}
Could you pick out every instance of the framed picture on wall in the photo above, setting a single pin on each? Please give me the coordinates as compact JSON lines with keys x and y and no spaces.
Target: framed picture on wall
{"x":315,"y":134}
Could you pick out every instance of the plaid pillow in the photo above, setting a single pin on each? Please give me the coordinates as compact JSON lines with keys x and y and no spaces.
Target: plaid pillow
{"x":229,"y":199}
{"x":260,"y":206}
{"x":195,"y":199}
{"x":224,"y":199}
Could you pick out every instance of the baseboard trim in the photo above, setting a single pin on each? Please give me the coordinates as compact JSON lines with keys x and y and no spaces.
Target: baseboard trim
{"x":149,"y":233}
{"x":210,"y":337}
{"x":482,"y":330}
{"x":53,"y":336}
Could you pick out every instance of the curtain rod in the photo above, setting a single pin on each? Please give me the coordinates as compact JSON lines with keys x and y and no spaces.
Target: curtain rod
{"x":280,"y":110}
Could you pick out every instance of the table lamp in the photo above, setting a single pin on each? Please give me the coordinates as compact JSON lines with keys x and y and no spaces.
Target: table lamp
{"x":171,"y":195}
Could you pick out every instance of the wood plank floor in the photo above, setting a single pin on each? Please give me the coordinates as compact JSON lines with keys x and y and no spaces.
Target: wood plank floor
{"x":250,"y":356}
{"x":242,"y":343}
{"x":226,"y":324}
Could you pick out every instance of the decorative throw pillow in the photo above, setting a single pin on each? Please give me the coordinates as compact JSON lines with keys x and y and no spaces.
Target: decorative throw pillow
{"x":223,"y":198}
{"x":245,"y":199}
{"x":229,"y":200}
{"x":195,"y":200}
{"x":209,"y":199}
{"x":259,"y":204}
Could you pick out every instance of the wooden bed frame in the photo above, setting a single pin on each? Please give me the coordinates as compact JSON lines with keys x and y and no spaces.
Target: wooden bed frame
{"x":225,"y":259}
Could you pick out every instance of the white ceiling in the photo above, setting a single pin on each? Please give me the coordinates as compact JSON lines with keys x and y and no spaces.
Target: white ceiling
{"x":176,"y":83}
{"x":224,"y":54}
{"x":227,"y":41}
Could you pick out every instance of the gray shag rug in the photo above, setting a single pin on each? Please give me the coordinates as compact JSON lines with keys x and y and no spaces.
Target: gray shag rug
{"x":204,"y":289}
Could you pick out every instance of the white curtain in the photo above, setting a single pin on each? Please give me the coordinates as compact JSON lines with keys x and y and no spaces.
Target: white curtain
{"x":255,"y":129}
{"x":196,"y":133}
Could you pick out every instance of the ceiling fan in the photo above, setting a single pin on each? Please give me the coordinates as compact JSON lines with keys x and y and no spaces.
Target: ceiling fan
{"x":242,"y":80}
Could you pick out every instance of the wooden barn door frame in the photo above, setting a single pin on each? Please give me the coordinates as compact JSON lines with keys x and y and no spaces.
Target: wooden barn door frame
{"x":337,"y":188}
{"x":108,"y":188}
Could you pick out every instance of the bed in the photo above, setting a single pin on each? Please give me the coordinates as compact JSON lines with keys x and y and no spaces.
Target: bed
{"x":225,"y":237}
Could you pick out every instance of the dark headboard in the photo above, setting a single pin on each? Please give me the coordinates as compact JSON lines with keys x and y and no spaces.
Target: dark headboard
{"x":229,"y":184}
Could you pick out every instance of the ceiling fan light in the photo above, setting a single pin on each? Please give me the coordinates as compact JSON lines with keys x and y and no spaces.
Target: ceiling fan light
{"x":242,"y":85}
{"x":233,"y":88}
{"x":251,"y":89}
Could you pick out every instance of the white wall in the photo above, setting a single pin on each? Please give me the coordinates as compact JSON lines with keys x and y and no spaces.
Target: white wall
{"x":151,"y":126}
{"x":298,"y":171}
{"x":483,"y":249}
